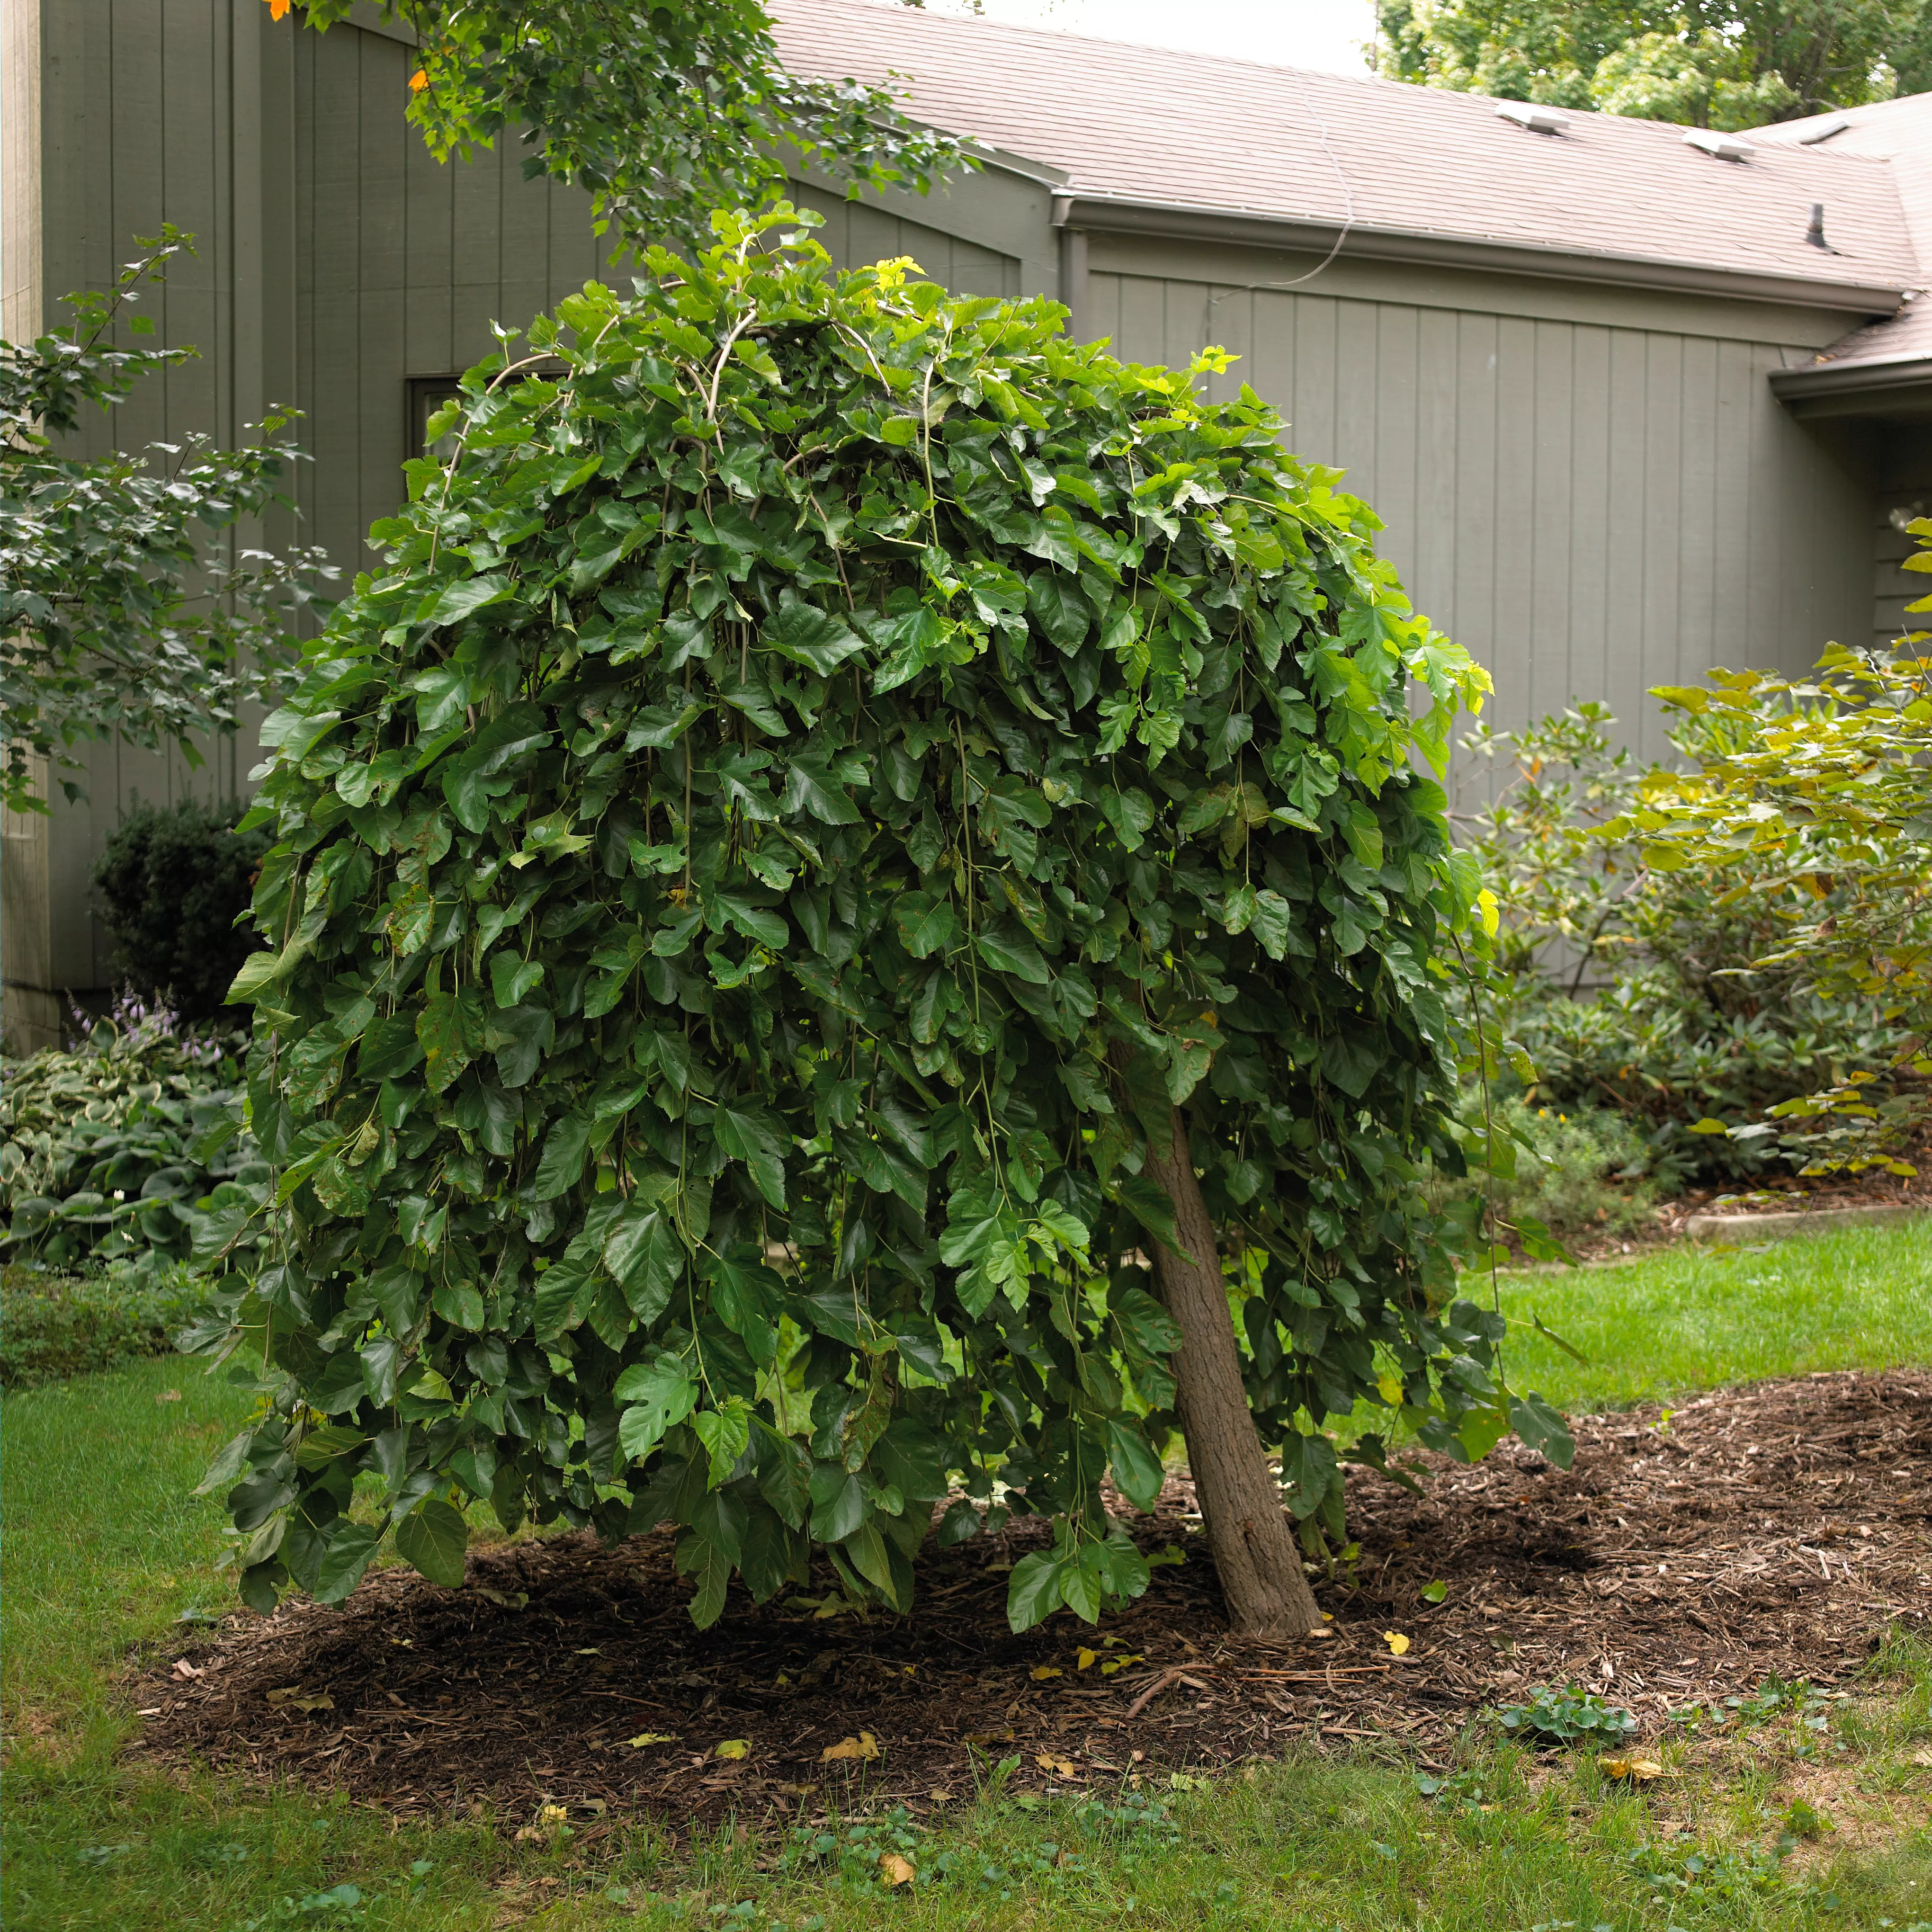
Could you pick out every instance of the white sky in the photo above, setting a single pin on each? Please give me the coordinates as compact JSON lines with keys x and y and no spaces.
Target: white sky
{"x":1328,"y":34}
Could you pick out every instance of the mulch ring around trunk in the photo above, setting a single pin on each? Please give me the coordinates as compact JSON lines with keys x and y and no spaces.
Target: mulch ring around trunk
{"x":1686,"y":1556}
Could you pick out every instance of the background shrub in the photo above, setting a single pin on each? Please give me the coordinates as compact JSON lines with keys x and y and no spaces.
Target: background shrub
{"x":100,"y":1148}
{"x":53,"y":1324}
{"x":1663,"y":993}
{"x":172,"y":881}
{"x":1595,"y":1171}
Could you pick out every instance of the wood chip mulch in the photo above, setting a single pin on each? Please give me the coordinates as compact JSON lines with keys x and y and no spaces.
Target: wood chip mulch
{"x":1780,"y":1528}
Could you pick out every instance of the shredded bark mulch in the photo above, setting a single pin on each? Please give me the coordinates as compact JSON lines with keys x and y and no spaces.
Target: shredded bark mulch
{"x":1780,"y":1528}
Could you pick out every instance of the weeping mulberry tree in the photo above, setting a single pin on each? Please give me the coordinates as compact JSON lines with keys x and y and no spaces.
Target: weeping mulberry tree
{"x":856,"y":884}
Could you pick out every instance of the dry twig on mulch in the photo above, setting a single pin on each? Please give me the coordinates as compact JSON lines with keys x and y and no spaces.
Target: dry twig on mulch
{"x":1780,"y":1528}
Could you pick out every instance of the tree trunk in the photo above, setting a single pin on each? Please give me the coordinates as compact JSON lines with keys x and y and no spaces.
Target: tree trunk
{"x":1255,"y":1550}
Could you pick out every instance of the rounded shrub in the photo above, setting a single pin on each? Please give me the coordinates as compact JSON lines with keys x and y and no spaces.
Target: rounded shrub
{"x":847,"y":825}
{"x":173,"y":881}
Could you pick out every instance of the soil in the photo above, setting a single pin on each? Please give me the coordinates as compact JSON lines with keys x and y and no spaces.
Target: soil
{"x":1686,"y":1555}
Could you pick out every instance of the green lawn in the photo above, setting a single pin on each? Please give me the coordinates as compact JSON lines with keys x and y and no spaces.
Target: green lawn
{"x":1686,"y":1318}
{"x":106,"y":1548}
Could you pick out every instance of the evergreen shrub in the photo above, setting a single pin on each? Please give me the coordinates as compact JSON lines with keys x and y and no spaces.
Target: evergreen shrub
{"x":174,"y":881}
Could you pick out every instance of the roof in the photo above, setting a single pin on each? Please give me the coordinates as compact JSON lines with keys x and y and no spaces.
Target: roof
{"x":1136,"y":128}
{"x":1898,"y":132}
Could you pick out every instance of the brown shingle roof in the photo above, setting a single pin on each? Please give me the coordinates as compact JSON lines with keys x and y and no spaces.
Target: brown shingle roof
{"x":1133,"y":124}
{"x":1899,"y":132}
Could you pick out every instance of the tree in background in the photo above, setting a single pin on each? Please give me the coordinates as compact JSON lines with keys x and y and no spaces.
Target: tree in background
{"x":118,"y":615}
{"x":662,"y":111}
{"x":1709,"y":63}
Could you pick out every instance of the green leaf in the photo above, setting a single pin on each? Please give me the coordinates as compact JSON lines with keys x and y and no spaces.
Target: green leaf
{"x":259,"y":972}
{"x":1059,"y":609}
{"x":926,"y":926}
{"x":1137,"y":1469}
{"x":838,"y":1503}
{"x":810,"y":787}
{"x":711,"y":1570}
{"x":389,"y":1049}
{"x":1009,"y":952}
{"x":784,"y":1473}
{"x":810,"y":636}
{"x":563,"y":1162}
{"x":749,"y":1300}
{"x":1272,"y":923}
{"x":511,"y":978}
{"x":759,"y":1139}
{"x":1147,"y":1202}
{"x":1033,"y":1590}
{"x":442,"y":692}
{"x":646,"y":1258}
{"x":226,"y":1466}
{"x":462,"y":599}
{"x":433,"y":1536}
{"x":661,"y":1395}
{"x":344,"y":1558}
{"x":726,"y":1433}
{"x":1148,"y":1325}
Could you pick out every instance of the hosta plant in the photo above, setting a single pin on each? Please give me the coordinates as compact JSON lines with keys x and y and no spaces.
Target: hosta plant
{"x":857,"y":879}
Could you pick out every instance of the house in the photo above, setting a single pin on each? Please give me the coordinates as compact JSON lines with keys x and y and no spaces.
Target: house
{"x":1632,"y":400}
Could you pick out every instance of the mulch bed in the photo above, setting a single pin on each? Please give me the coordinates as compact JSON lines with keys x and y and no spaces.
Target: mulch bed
{"x":1778,"y":1529}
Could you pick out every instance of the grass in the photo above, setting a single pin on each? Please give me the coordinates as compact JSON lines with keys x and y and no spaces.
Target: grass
{"x":1685,"y":1319}
{"x":105,"y":1550}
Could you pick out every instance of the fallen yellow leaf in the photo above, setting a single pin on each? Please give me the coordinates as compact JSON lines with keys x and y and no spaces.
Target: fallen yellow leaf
{"x":1114,"y":1663}
{"x":863,"y":1746}
{"x":644,"y":1737}
{"x":1060,"y":1767}
{"x":1396,"y":1642}
{"x":1041,"y":1671}
{"x":897,"y":1870}
{"x":297,"y":1700}
{"x":1638,"y":1770}
{"x":1083,"y":1657}
{"x":734,"y":1747}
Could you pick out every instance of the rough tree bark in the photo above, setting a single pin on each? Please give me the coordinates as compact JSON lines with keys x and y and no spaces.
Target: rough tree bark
{"x":1254,"y":1550}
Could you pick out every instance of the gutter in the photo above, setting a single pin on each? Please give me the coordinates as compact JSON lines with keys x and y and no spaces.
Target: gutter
{"x":1114,"y":214}
{"x":1880,"y":385}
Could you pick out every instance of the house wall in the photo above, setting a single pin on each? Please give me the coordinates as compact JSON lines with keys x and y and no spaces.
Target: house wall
{"x":333,"y":261}
{"x":1594,"y":491}
{"x":1591,"y":487}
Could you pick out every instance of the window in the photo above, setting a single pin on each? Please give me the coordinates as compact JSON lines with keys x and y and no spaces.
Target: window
{"x":427,"y":394}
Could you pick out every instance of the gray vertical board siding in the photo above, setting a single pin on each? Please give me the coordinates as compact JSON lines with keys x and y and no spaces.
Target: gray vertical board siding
{"x":1473,"y":587}
{"x":335,"y":260}
{"x":1514,"y":646}
{"x":382,"y":279}
{"x":404,"y":266}
{"x":1550,"y":534}
{"x":1593,"y":507}
{"x":1433,"y":545}
{"x":1737,"y":381}
{"x":1664,"y":531}
{"x":858,"y":233}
